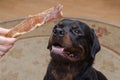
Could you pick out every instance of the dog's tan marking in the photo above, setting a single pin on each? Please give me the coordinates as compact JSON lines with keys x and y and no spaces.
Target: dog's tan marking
{"x":83,"y":52}
{"x":67,"y":40}
{"x":64,"y":76}
{"x":74,"y":26}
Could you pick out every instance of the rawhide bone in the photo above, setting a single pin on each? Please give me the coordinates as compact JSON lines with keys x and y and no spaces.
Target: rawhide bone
{"x":34,"y":21}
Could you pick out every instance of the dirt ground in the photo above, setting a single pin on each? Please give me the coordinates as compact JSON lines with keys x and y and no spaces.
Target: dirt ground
{"x":101,"y":9}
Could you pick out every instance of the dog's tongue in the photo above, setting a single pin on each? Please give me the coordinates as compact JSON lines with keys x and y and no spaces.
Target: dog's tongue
{"x":57,"y":50}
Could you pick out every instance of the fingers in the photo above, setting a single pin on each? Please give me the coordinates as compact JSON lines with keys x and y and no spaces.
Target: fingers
{"x":6,"y":44}
{"x":4,"y":40}
{"x":4,"y":49}
{"x":4,"y":31}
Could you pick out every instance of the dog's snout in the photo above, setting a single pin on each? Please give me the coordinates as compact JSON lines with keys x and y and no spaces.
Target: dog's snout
{"x":58,"y":32}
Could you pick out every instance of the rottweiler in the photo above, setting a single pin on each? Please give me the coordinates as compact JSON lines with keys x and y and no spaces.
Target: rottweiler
{"x":73,"y":46}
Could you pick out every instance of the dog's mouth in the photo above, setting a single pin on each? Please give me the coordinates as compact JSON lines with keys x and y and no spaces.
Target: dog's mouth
{"x":58,"y":49}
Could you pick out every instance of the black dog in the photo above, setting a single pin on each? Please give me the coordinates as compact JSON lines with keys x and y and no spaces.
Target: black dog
{"x":73,"y":46}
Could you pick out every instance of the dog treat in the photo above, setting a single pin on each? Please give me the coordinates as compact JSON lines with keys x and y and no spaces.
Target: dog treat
{"x":34,"y":21}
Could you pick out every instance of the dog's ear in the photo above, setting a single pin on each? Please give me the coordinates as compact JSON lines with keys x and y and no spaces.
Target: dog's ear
{"x":95,"y":45}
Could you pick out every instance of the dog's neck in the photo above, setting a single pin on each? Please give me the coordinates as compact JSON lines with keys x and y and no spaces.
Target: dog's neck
{"x":66,"y":71}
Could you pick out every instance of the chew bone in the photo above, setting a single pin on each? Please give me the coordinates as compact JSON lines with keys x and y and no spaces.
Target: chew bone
{"x":34,"y":21}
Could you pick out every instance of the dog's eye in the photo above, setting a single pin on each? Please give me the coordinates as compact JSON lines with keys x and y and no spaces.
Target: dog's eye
{"x":77,"y":31}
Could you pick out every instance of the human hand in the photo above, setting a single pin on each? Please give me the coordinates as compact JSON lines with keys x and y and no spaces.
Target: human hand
{"x":5,"y":43}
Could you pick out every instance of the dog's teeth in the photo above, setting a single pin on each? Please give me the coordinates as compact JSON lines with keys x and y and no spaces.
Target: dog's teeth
{"x":71,"y":55}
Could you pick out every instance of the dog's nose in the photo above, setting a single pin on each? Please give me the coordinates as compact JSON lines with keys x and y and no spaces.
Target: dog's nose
{"x":59,"y":32}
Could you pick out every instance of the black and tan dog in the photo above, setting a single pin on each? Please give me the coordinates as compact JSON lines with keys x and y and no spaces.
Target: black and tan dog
{"x":73,"y":46}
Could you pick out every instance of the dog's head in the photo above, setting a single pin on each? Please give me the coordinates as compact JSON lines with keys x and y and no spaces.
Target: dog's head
{"x":72,"y":41}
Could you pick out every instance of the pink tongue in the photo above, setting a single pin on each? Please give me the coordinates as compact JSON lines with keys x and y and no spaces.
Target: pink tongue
{"x":57,"y":50}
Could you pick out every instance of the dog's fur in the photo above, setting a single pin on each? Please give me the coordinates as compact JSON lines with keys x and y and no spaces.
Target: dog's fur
{"x":73,"y":46}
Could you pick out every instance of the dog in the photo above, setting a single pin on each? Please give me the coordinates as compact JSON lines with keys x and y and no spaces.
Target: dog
{"x":73,"y":46}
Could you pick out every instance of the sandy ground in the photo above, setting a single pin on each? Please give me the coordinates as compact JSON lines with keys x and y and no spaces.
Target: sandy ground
{"x":100,"y":9}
